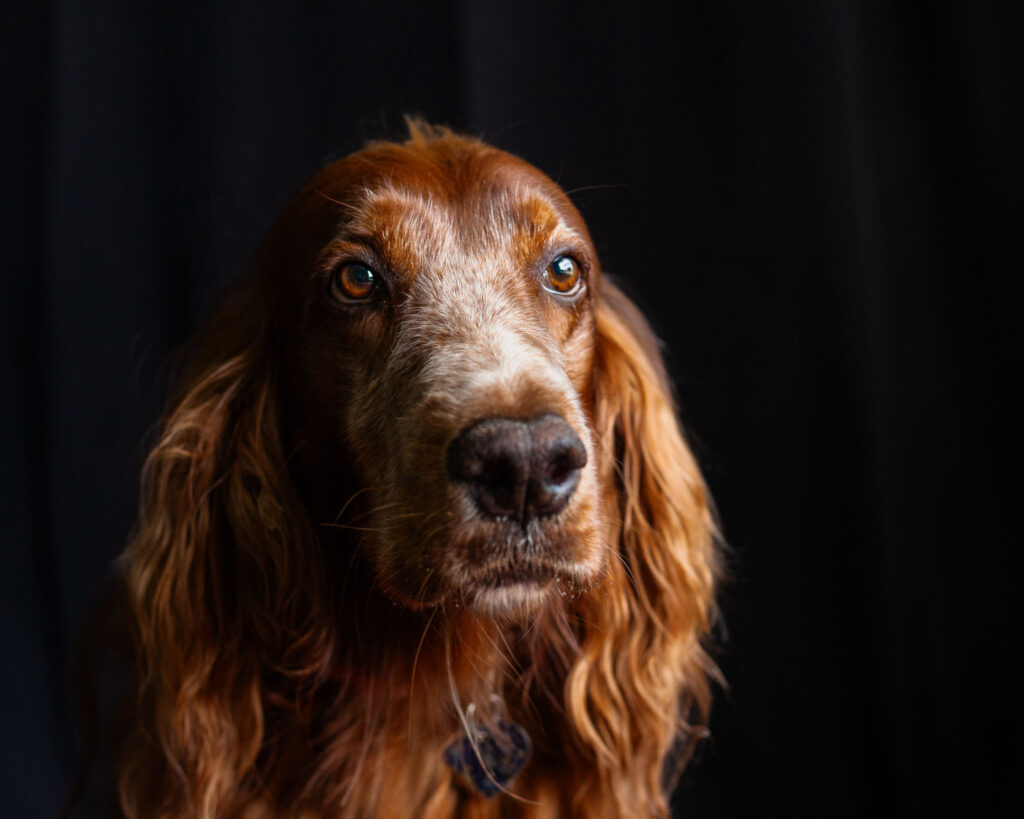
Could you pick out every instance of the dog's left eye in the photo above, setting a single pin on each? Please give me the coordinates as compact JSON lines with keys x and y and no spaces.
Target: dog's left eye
{"x":354,"y":282}
{"x":562,"y":276}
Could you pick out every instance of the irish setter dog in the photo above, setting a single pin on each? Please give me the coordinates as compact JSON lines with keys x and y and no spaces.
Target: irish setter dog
{"x":420,"y":535}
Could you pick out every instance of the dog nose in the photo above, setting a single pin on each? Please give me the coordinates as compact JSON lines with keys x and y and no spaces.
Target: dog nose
{"x":518,"y":469}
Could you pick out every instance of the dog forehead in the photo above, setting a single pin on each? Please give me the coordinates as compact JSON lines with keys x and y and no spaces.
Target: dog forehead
{"x":418,"y":228}
{"x":426,"y":195}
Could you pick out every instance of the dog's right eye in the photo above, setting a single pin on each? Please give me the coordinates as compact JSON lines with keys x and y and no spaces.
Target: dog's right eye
{"x":354,"y":282}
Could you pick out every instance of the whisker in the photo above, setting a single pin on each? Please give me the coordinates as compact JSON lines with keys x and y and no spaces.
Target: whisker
{"x":350,"y":528}
{"x":608,"y":186}
{"x":382,"y":508}
{"x":506,"y":653}
{"x":352,"y":497}
{"x":415,"y":662}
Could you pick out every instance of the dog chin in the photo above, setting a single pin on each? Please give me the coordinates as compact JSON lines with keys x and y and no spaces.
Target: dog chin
{"x":509,"y":601}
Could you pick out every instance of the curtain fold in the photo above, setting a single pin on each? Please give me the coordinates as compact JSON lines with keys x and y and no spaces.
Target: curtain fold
{"x":812,"y":201}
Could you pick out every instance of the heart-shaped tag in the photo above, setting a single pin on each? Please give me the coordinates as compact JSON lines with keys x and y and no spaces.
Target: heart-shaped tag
{"x":504,"y":748}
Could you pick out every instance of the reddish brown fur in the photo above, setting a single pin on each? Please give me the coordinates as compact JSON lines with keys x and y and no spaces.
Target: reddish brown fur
{"x":313,"y":612}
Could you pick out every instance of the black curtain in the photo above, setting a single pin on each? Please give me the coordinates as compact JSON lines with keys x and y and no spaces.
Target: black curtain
{"x":816,"y":202}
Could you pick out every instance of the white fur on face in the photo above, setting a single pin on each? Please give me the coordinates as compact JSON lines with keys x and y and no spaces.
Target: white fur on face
{"x":473,"y":339}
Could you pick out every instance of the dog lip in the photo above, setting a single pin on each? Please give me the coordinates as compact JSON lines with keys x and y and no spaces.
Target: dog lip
{"x":512,"y":575}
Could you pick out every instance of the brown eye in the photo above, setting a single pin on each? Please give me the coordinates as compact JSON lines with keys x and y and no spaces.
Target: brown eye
{"x":562,"y":275}
{"x":355,"y":282}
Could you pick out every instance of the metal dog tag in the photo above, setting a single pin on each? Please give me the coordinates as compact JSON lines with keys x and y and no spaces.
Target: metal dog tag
{"x":504,"y":748}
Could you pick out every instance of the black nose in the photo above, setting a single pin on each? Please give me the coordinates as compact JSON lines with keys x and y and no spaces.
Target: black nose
{"x":518,"y":469}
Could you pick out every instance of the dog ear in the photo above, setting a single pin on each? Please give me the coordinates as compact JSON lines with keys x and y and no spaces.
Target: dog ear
{"x":642,"y":673}
{"x":222,"y":575}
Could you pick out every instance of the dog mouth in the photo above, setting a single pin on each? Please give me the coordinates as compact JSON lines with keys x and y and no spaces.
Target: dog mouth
{"x":497,"y":577}
{"x":518,"y":589}
{"x":510,"y":593}
{"x":505,"y":568}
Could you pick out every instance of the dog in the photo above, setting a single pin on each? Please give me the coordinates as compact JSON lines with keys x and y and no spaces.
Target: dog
{"x":420,"y":534}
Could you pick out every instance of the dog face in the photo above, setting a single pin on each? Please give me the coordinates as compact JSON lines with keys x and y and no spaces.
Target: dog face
{"x":438,"y":299}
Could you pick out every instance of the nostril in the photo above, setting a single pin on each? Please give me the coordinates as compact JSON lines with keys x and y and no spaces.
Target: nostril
{"x":492,"y":457}
{"x":558,"y":472}
{"x":558,"y":457}
{"x":499,"y":471}
{"x":501,"y":485}
{"x":565,"y":466}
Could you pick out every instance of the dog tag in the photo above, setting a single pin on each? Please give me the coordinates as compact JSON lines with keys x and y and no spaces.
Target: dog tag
{"x":504,"y":748}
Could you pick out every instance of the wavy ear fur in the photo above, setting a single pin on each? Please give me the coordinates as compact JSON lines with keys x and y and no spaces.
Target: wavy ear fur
{"x":217,"y":582}
{"x":642,"y":672}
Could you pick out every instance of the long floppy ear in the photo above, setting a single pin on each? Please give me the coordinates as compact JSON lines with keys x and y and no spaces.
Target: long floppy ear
{"x":641,"y":680}
{"x":221,"y":576}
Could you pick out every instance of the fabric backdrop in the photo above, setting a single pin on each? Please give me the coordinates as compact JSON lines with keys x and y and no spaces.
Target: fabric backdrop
{"x":814,"y":201}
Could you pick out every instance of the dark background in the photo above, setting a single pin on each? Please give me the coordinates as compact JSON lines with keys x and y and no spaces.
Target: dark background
{"x":816,"y":202}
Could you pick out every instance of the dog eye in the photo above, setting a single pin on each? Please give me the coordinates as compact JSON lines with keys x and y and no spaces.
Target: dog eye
{"x":354,"y":282}
{"x":562,"y":275}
